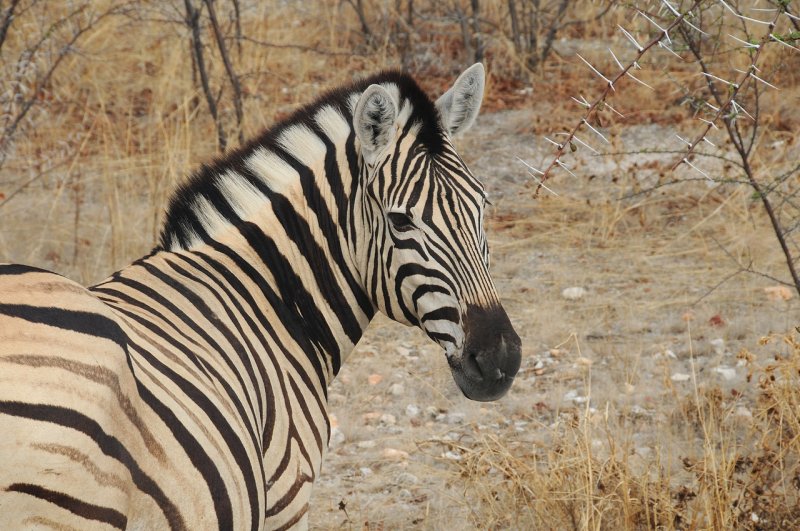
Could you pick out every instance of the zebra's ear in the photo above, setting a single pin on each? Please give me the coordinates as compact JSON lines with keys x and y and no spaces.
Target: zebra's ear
{"x":459,"y":106}
{"x":374,"y":120}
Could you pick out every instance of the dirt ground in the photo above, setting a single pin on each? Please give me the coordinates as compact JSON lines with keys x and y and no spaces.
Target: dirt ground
{"x":654,"y":310}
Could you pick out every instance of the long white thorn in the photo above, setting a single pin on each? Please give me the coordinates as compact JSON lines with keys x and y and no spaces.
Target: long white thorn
{"x":742,"y":16}
{"x":709,"y":122}
{"x":747,"y":44}
{"x":529,"y":166}
{"x":707,"y":141}
{"x":683,"y":140}
{"x":737,"y":108}
{"x":583,"y":103}
{"x":776,"y":39}
{"x":556,"y":144}
{"x":615,"y":59}
{"x":670,"y":50}
{"x":639,"y":80}
{"x":613,"y":109}
{"x":596,"y":71}
{"x":751,"y":74}
{"x":630,"y":38}
{"x":541,"y":183}
{"x":564,"y":166}
{"x":598,"y":133}
{"x":719,"y":79}
{"x":686,"y":160}
{"x":653,"y":22}
{"x":581,"y":142}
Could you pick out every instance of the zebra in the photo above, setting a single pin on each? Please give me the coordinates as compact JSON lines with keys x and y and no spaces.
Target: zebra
{"x":188,"y":389}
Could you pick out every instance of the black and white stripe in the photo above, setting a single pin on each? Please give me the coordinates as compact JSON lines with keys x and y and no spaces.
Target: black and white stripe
{"x":188,"y":390}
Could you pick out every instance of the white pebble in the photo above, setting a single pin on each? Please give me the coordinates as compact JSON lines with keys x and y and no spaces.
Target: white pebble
{"x":388,"y":419}
{"x":396,"y":389}
{"x":337,"y":438}
{"x":718,"y":345}
{"x":726,"y":372}
{"x":574,"y":293}
{"x":412,"y":410}
{"x":679,"y":377}
{"x":365,"y":471}
{"x":455,"y":418}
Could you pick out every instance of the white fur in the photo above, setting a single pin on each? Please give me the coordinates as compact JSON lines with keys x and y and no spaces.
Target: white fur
{"x":244,"y":198}
{"x":332,"y":123}
{"x":273,"y":170}
{"x":303,"y":144}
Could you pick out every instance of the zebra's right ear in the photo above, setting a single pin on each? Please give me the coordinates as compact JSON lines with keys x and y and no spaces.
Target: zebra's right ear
{"x":374,"y":120}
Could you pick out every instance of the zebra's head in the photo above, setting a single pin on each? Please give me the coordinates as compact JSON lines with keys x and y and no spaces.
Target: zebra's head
{"x":423,"y":253}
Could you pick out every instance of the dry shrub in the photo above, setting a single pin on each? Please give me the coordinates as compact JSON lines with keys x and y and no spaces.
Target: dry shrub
{"x":734,"y":469}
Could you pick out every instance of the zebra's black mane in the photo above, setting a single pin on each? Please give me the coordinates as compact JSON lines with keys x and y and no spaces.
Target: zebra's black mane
{"x":180,"y":217}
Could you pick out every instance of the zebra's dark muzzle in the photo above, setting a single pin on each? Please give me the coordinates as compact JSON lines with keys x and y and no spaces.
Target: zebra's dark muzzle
{"x":491,"y":355}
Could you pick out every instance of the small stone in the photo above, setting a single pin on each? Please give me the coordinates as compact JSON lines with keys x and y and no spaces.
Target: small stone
{"x":726,"y":372}
{"x":539,"y":365}
{"x":396,"y":389}
{"x":453,"y":456}
{"x":404,"y":478}
{"x":718,"y":345}
{"x":412,"y":410}
{"x":337,"y":438}
{"x":455,"y":418}
{"x":365,"y":471}
{"x":395,"y":454}
{"x":431,"y":412}
{"x":388,"y":419}
{"x":743,"y":412}
{"x":371,"y":416}
{"x":404,"y":494}
{"x":374,"y":379}
{"x":679,"y":377}
{"x":574,"y":293}
{"x":366,"y":444}
{"x":583,"y":362}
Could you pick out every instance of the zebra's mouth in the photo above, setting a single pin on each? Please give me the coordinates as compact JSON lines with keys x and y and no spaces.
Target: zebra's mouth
{"x":490,"y":359}
{"x":480,"y":379}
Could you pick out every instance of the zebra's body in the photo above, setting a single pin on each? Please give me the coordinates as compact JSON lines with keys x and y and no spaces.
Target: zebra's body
{"x":188,"y":390}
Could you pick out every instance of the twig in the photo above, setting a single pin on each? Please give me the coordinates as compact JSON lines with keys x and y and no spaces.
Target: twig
{"x":193,"y":21}
{"x":606,"y":91}
{"x":226,"y":60}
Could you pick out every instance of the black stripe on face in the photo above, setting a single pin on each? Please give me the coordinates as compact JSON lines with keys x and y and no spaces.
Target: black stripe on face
{"x":107,"y":444}
{"x":77,"y":507}
{"x":88,"y":323}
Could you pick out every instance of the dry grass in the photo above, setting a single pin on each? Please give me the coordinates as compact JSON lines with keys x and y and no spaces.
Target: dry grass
{"x":583,"y":471}
{"x":122,"y":121}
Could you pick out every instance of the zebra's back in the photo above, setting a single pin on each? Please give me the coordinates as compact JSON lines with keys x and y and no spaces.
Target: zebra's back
{"x":70,"y":405}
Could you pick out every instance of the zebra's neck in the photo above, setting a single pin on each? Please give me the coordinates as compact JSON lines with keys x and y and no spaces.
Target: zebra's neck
{"x":279,"y":212}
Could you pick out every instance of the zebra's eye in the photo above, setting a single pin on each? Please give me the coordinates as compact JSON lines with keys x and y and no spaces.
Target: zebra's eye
{"x":400,"y":222}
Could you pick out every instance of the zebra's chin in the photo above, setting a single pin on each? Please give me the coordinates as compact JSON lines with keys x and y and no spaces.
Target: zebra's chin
{"x":481,"y":389}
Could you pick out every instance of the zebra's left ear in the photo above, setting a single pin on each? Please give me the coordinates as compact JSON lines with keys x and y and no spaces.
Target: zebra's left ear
{"x":459,"y":106}
{"x":373,"y":119}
